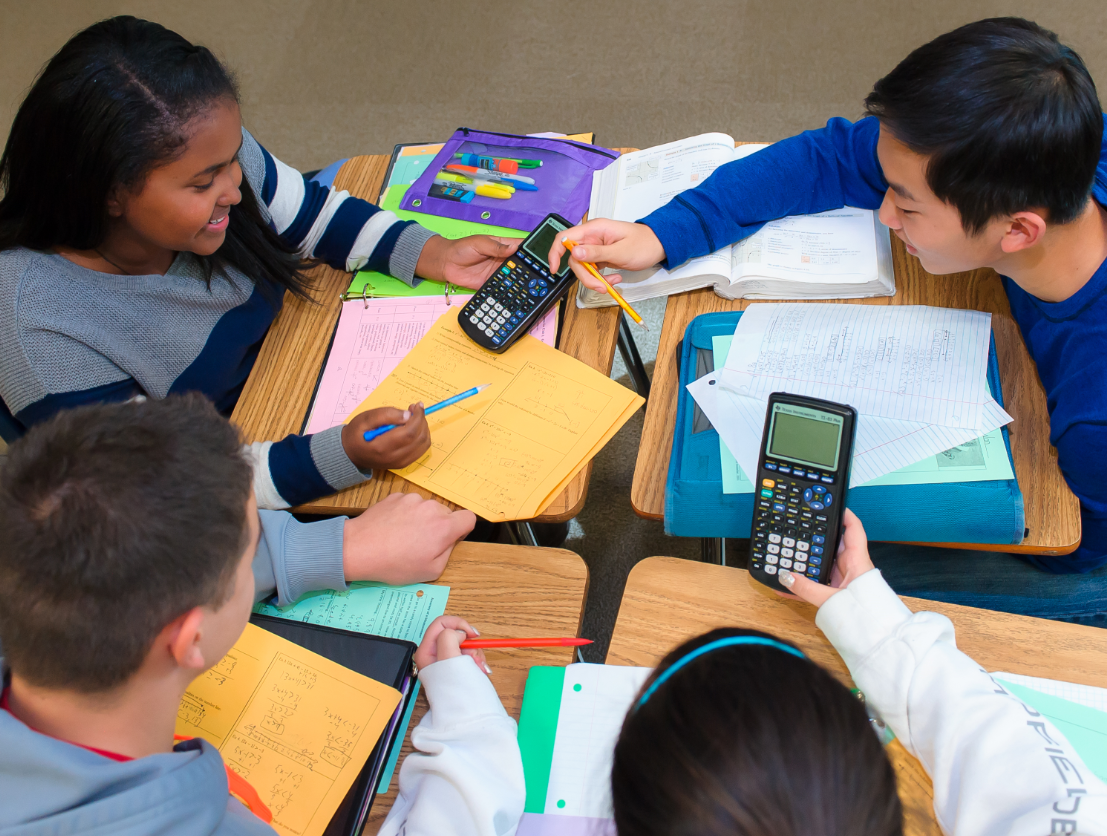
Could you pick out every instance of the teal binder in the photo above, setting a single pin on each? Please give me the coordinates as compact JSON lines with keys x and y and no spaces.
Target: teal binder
{"x":695,"y":505}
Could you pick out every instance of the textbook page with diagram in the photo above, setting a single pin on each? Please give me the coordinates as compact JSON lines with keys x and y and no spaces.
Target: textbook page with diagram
{"x":507,"y":452}
{"x":297,"y":726}
{"x":840,"y":254}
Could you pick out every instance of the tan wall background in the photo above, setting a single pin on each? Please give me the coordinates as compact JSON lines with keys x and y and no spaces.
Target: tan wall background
{"x":324,"y":79}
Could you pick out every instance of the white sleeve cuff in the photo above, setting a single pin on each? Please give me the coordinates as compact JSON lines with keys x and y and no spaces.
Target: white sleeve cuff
{"x":459,"y":692}
{"x":861,"y":616}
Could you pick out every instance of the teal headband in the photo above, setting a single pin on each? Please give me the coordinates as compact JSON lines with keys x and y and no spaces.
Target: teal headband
{"x":707,"y":648}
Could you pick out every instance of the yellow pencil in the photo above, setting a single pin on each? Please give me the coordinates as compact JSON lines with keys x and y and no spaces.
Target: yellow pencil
{"x":611,"y":291}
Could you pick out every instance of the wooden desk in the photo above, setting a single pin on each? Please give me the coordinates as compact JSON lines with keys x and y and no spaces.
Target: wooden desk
{"x":507,"y":591}
{"x":1052,"y":511}
{"x":278,"y":394}
{"x":668,"y":601}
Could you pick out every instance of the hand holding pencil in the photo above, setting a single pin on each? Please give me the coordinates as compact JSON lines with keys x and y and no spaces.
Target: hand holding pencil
{"x":606,"y":243}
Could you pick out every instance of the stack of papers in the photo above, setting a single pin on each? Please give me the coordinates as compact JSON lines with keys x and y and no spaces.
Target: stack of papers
{"x":508,"y":452}
{"x":372,"y":337}
{"x":916,"y":375}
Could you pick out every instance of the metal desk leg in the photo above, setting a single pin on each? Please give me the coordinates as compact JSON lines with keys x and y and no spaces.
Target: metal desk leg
{"x":521,"y":532}
{"x":713,"y":550}
{"x":628,"y":349}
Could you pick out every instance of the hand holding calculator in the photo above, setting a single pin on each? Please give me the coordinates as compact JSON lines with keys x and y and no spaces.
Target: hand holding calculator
{"x":802,"y":479}
{"x":520,"y":291}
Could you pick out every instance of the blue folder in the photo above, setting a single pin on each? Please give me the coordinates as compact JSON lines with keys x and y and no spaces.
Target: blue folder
{"x":695,"y":505}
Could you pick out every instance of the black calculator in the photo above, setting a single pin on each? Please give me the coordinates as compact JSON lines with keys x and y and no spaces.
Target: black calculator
{"x":802,"y":478}
{"x":520,"y":292}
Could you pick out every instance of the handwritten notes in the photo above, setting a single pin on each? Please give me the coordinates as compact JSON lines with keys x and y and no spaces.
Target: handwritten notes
{"x":509,"y":451}
{"x":297,"y":726}
{"x":372,"y":337}
{"x":398,"y":612}
{"x":906,"y":362}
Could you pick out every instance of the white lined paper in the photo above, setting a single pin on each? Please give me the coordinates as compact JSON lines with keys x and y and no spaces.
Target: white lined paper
{"x":908,"y":362}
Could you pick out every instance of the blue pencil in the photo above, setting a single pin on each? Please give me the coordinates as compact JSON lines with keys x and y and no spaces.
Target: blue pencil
{"x":468,"y":393}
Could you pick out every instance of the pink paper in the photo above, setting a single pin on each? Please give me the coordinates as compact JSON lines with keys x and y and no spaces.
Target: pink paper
{"x":372,"y":338}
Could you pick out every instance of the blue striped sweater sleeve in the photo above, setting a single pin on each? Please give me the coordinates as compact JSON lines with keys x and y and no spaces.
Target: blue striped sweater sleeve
{"x":814,"y":171}
{"x":344,"y":231}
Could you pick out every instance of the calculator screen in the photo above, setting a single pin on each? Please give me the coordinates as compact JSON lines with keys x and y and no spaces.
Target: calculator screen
{"x":804,"y":435}
{"x":539,"y":243}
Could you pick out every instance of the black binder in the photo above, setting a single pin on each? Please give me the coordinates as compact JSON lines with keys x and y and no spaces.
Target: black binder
{"x":385,"y":660}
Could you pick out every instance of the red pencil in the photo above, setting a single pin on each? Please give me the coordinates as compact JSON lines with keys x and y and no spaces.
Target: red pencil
{"x":562,"y":642}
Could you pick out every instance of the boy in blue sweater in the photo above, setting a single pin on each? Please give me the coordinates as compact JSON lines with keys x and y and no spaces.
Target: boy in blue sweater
{"x":983,"y":148}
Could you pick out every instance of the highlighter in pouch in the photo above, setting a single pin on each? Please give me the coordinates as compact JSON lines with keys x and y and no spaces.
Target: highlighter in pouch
{"x":801,"y":482}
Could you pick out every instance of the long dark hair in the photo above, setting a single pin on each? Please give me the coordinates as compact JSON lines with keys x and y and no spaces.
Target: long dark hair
{"x":113,"y":104}
{"x":748,"y":741}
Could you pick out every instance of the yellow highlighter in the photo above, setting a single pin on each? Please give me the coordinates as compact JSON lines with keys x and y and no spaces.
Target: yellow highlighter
{"x":611,"y":291}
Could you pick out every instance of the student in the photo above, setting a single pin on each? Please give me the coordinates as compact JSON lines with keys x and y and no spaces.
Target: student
{"x":749,"y":737}
{"x":132,"y":556}
{"x":983,"y":148}
{"x":147,"y":241}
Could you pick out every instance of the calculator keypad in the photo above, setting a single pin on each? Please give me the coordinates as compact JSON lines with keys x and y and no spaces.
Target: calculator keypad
{"x":789,"y":528}
{"x":504,"y":302}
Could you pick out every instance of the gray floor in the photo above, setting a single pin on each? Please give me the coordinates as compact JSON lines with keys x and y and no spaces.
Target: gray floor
{"x":327,"y":79}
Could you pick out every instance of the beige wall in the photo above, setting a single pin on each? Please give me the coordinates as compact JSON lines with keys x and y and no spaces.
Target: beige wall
{"x":329,"y":78}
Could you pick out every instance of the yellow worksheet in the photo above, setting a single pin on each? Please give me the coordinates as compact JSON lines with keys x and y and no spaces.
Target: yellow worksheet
{"x":297,"y":726}
{"x":507,"y":452}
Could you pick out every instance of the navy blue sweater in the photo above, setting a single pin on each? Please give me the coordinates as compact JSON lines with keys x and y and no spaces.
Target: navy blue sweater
{"x":837,"y":166}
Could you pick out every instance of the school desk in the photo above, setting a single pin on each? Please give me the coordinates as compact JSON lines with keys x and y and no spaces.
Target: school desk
{"x":668,"y":601}
{"x":506,"y":592}
{"x":278,"y":393}
{"x":1052,"y":511}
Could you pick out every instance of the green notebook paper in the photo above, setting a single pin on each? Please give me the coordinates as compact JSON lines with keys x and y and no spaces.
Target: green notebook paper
{"x":378,"y":284}
{"x":1083,"y":727}
{"x":537,"y":731}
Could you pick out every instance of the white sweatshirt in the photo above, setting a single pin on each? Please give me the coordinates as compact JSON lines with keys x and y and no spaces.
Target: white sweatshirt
{"x":997,"y":765}
{"x":466,"y":776}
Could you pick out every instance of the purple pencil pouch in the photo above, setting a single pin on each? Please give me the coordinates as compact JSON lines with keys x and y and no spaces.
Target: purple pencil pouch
{"x":563,"y":181}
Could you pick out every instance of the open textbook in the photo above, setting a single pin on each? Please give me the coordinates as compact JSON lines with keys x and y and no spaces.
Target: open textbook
{"x":841,"y":254}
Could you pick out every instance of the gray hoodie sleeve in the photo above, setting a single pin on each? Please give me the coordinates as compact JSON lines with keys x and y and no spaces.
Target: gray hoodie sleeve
{"x":295,"y":557}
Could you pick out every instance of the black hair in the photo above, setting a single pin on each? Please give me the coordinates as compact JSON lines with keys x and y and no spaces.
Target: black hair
{"x":117,"y":518}
{"x":1008,"y":116}
{"x":749,"y":741}
{"x":114,"y":103}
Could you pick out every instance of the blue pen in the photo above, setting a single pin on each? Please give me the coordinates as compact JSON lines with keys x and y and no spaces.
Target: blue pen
{"x":468,"y":393}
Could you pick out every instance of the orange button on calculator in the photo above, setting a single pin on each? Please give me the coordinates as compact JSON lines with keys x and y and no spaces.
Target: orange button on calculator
{"x":768,"y":483}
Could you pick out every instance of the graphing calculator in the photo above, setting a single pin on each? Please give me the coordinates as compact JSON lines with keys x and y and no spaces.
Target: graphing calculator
{"x":802,"y":478}
{"x":520,"y":291}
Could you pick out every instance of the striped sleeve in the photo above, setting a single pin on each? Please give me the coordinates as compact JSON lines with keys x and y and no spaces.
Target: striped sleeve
{"x":344,"y":231}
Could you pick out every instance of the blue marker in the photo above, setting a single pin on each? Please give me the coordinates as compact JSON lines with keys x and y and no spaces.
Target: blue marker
{"x":468,"y":393}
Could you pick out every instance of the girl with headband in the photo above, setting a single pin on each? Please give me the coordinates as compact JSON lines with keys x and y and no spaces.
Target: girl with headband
{"x":737,"y":733}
